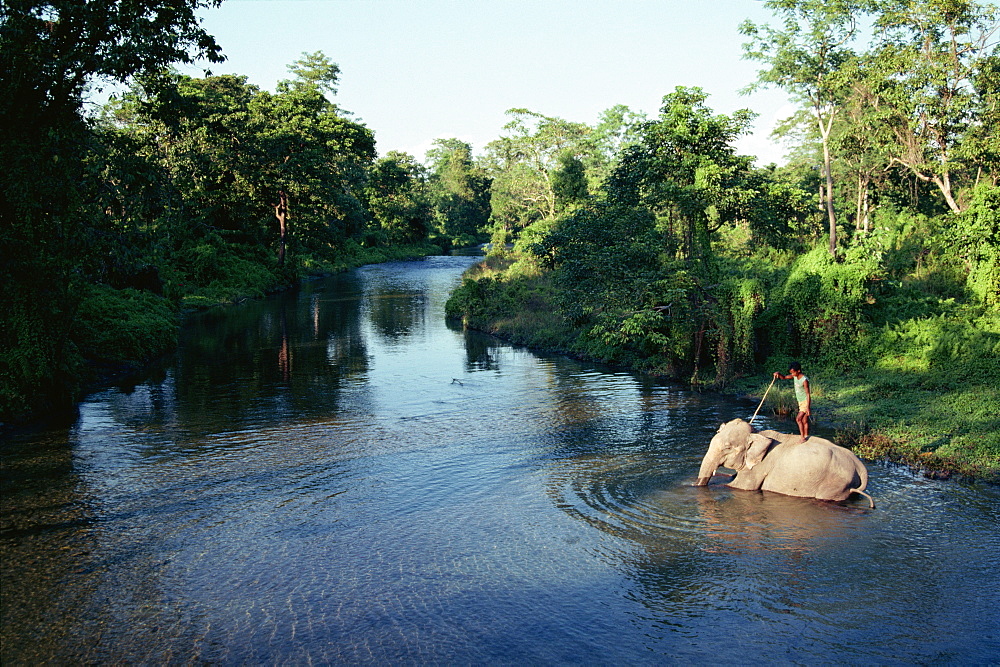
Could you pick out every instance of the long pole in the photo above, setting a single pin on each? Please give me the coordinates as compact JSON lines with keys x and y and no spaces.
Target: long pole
{"x":762,"y":400}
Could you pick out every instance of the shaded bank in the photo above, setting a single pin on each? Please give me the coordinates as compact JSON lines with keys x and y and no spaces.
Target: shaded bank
{"x":118,"y":333}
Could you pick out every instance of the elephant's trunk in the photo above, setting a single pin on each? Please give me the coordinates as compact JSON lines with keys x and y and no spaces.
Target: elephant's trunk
{"x":708,"y":467}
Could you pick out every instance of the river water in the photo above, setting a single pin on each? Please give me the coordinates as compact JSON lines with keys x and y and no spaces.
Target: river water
{"x":335,"y":475}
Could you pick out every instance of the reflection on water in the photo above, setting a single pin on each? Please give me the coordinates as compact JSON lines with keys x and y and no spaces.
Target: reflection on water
{"x":335,"y":475}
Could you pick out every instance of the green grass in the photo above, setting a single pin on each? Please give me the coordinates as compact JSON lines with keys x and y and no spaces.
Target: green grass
{"x":245,"y":279}
{"x":955,"y":431}
{"x":928,"y":401}
{"x":513,"y":302}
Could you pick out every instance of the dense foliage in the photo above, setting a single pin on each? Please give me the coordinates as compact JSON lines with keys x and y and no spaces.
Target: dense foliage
{"x":880,"y":270}
{"x":54,"y":231}
{"x":181,"y":192}
{"x":873,"y":255}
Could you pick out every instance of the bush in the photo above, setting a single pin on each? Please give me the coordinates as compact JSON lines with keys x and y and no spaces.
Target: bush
{"x":39,"y":367}
{"x":116,"y":327}
{"x":828,"y":302}
{"x":977,"y":235}
{"x":945,"y":351}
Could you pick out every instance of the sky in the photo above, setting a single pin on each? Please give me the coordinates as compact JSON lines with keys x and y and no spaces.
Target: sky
{"x":418,"y":70}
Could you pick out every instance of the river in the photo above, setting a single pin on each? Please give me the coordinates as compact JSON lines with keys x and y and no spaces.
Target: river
{"x":335,"y":475}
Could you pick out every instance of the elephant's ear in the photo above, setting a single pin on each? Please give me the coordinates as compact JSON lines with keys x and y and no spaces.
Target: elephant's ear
{"x":757,"y":449}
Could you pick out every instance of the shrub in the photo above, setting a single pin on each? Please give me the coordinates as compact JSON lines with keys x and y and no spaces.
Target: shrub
{"x":827,"y":302}
{"x":39,"y":367}
{"x":123,"y":326}
{"x":977,"y":235}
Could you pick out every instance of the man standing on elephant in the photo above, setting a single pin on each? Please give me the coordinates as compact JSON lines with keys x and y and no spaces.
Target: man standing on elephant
{"x":802,"y":394}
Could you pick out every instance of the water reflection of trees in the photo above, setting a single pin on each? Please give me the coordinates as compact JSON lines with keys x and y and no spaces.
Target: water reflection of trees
{"x":283,"y":357}
{"x":482,"y":351}
{"x":396,"y":315}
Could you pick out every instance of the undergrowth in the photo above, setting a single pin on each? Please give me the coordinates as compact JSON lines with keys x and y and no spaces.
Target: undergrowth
{"x":900,"y":375}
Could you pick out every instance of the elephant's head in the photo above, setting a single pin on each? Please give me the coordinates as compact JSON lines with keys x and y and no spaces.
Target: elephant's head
{"x":735,"y":446}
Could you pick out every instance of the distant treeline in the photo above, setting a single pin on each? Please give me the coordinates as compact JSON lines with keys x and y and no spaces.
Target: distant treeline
{"x":180,"y":192}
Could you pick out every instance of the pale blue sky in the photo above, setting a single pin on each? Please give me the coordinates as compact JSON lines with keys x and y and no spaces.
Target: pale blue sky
{"x":417,"y":70}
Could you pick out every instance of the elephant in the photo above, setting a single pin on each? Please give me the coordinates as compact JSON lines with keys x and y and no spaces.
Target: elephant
{"x":784,"y":463}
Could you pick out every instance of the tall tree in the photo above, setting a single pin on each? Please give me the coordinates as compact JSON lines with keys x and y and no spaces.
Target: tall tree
{"x":805,"y":57}
{"x":459,"y":191}
{"x":685,"y":169}
{"x":616,"y":128}
{"x":396,"y":198}
{"x":936,"y":69}
{"x":314,"y":70}
{"x":49,"y":52}
{"x":319,"y":158}
{"x":523,"y":164}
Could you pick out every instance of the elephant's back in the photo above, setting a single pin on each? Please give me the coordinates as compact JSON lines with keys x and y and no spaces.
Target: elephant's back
{"x":815,"y":468}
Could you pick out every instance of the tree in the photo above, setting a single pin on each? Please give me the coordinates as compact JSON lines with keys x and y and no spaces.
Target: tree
{"x":50,"y":51}
{"x":685,"y":169}
{"x":314,"y":70}
{"x":936,"y":71}
{"x":319,"y":158}
{"x":250,"y":172}
{"x":522,"y":165}
{"x":396,"y":199}
{"x":459,"y":191}
{"x":806,"y":58}
{"x":569,"y":182}
{"x":863,"y":141}
{"x":616,"y":128}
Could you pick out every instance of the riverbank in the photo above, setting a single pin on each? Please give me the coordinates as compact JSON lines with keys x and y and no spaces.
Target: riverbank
{"x":243,"y":288}
{"x":300,"y":448}
{"x":119,"y":334}
{"x":940,"y":419}
{"x":942,"y":434}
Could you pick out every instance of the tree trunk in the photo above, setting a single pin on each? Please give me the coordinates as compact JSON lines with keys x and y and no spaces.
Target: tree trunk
{"x":824,"y":133}
{"x":831,"y":216}
{"x":867,"y":209}
{"x":944,"y":185}
{"x":281,"y":213}
{"x":860,"y":200}
{"x":862,"y":221}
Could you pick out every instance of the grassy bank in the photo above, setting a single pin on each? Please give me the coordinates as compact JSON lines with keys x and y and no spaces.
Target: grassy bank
{"x":925,"y":393}
{"x":892,"y":417}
